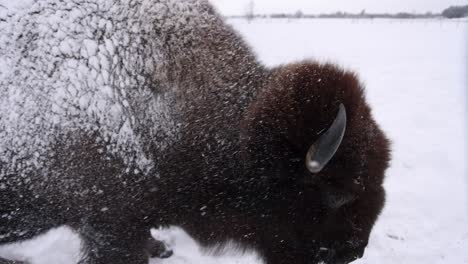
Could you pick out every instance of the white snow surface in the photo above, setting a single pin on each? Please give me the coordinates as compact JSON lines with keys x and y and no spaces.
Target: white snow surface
{"x":62,"y":245}
{"x":415,"y":73}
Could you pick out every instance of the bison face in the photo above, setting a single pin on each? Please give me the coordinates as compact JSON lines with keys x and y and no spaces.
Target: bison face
{"x":311,"y":138}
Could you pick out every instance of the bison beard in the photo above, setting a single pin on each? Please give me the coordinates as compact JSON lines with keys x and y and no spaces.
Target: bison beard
{"x":287,"y":161}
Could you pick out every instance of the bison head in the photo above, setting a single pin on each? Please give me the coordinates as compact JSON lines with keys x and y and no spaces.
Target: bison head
{"x":310,"y":137}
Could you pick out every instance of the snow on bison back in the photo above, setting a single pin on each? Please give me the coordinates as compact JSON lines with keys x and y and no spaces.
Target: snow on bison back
{"x":117,"y":116}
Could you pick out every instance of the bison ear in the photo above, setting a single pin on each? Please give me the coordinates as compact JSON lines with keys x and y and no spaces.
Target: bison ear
{"x":321,"y":152}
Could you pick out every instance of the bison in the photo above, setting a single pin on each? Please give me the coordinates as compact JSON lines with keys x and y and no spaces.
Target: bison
{"x":118,"y":116}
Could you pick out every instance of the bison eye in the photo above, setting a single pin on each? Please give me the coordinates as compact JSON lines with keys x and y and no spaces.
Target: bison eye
{"x":335,"y":198}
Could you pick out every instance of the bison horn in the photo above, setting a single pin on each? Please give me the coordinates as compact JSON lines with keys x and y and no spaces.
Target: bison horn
{"x":324,"y":148}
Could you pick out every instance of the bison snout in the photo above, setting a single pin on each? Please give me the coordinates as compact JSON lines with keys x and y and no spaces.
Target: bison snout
{"x":349,"y":254}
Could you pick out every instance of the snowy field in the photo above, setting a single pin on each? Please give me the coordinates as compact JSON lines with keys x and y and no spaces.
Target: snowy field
{"x":415,"y":76}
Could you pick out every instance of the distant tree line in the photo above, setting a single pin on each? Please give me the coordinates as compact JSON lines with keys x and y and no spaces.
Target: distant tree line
{"x":298,"y":15}
{"x":451,"y":12}
{"x":456,"y":12}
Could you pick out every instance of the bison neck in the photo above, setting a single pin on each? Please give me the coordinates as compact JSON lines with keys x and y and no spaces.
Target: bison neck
{"x":206,"y":190}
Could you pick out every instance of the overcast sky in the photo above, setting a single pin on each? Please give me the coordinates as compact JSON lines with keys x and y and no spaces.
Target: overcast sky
{"x":234,"y":7}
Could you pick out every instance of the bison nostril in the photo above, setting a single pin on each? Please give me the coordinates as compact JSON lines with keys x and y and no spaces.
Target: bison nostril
{"x":355,"y":254}
{"x":359,"y":249}
{"x":360,"y":252}
{"x":347,"y":254}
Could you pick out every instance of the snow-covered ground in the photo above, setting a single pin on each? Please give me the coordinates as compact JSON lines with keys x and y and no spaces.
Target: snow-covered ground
{"x":415,"y":75}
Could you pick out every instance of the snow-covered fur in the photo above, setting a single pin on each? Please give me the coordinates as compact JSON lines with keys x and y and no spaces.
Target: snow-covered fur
{"x":116,"y":116}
